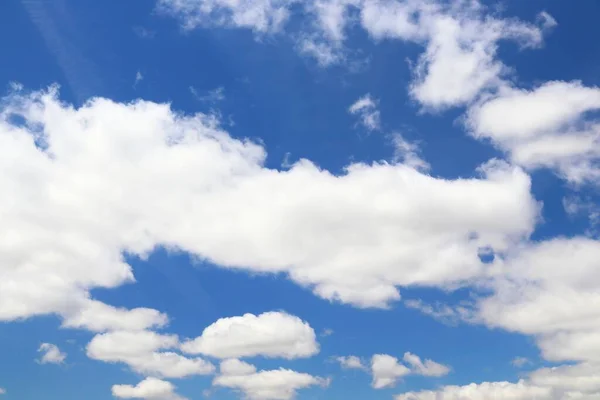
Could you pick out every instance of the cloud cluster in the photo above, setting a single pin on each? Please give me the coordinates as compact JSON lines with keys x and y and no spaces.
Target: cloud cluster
{"x":567,"y":382}
{"x":366,"y":109}
{"x":117,"y":178}
{"x":144,"y":352}
{"x":272,"y":334}
{"x":51,"y":354}
{"x":148,"y":389}
{"x":547,"y":127}
{"x":280,"y":384}
{"x":460,"y":39}
{"x":387,"y":370}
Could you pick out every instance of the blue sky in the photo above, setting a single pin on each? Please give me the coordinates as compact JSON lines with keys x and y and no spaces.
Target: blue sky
{"x":324,"y":199}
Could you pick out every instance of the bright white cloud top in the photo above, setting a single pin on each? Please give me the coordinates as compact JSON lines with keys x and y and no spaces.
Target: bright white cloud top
{"x":273,"y":334}
{"x":148,"y":389}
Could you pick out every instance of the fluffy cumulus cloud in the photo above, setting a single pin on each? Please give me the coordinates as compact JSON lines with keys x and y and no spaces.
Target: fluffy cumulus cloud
{"x":548,"y":290}
{"x":148,"y":389}
{"x":51,"y":354}
{"x":145,"y":352}
{"x":547,"y":126}
{"x":272,"y":334}
{"x":118,"y":178}
{"x":386,"y":371}
{"x":280,"y":384}
{"x":558,"y":383}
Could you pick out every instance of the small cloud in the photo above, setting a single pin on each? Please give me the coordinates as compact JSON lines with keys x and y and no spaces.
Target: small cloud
{"x":366,"y":109}
{"x":546,"y":20}
{"x":324,"y":53}
{"x":213,"y":96}
{"x":143,"y":33}
{"x":351,"y":362}
{"x":408,"y":153}
{"x":326,"y":332}
{"x":286,"y":163}
{"x":520,"y":362}
{"x":138,"y":78}
{"x":2,"y":391}
{"x":51,"y":354}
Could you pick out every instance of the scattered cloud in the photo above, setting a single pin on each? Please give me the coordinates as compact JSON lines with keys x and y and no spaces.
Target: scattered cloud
{"x":546,"y":20}
{"x":143,"y":33}
{"x":138,"y":78}
{"x":351,"y":362}
{"x":213,"y":96}
{"x":148,"y":389}
{"x":272,"y":334}
{"x":51,"y":354}
{"x":279,"y":384}
{"x":450,"y":315}
{"x":544,"y":127}
{"x":408,"y":153}
{"x":327,"y":332}
{"x":261,"y":16}
{"x":425,"y":368}
{"x":520,"y":362}
{"x":460,"y":39}
{"x":366,"y":109}
{"x":96,"y":316}
{"x":387,"y":370}
{"x":556,"y":383}
{"x":142,"y":352}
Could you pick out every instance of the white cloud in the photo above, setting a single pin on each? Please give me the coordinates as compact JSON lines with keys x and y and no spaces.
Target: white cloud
{"x":545,"y":127}
{"x":138,"y":78}
{"x":520,"y":362}
{"x":2,"y":391}
{"x":557,"y":383}
{"x":148,"y":389}
{"x":351,"y":362}
{"x":178,"y":181}
{"x":280,"y":384}
{"x":460,"y":38}
{"x":261,"y":16}
{"x":233,"y":366}
{"x":547,"y":20}
{"x":213,"y":96}
{"x":425,"y":368}
{"x":99,"y":317}
{"x":366,"y":109}
{"x":141,"y":351}
{"x":444,"y":313}
{"x":51,"y":354}
{"x":485,"y":390}
{"x":408,"y":153}
{"x":271,"y":334}
{"x":386,"y":371}
{"x":460,"y":41}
